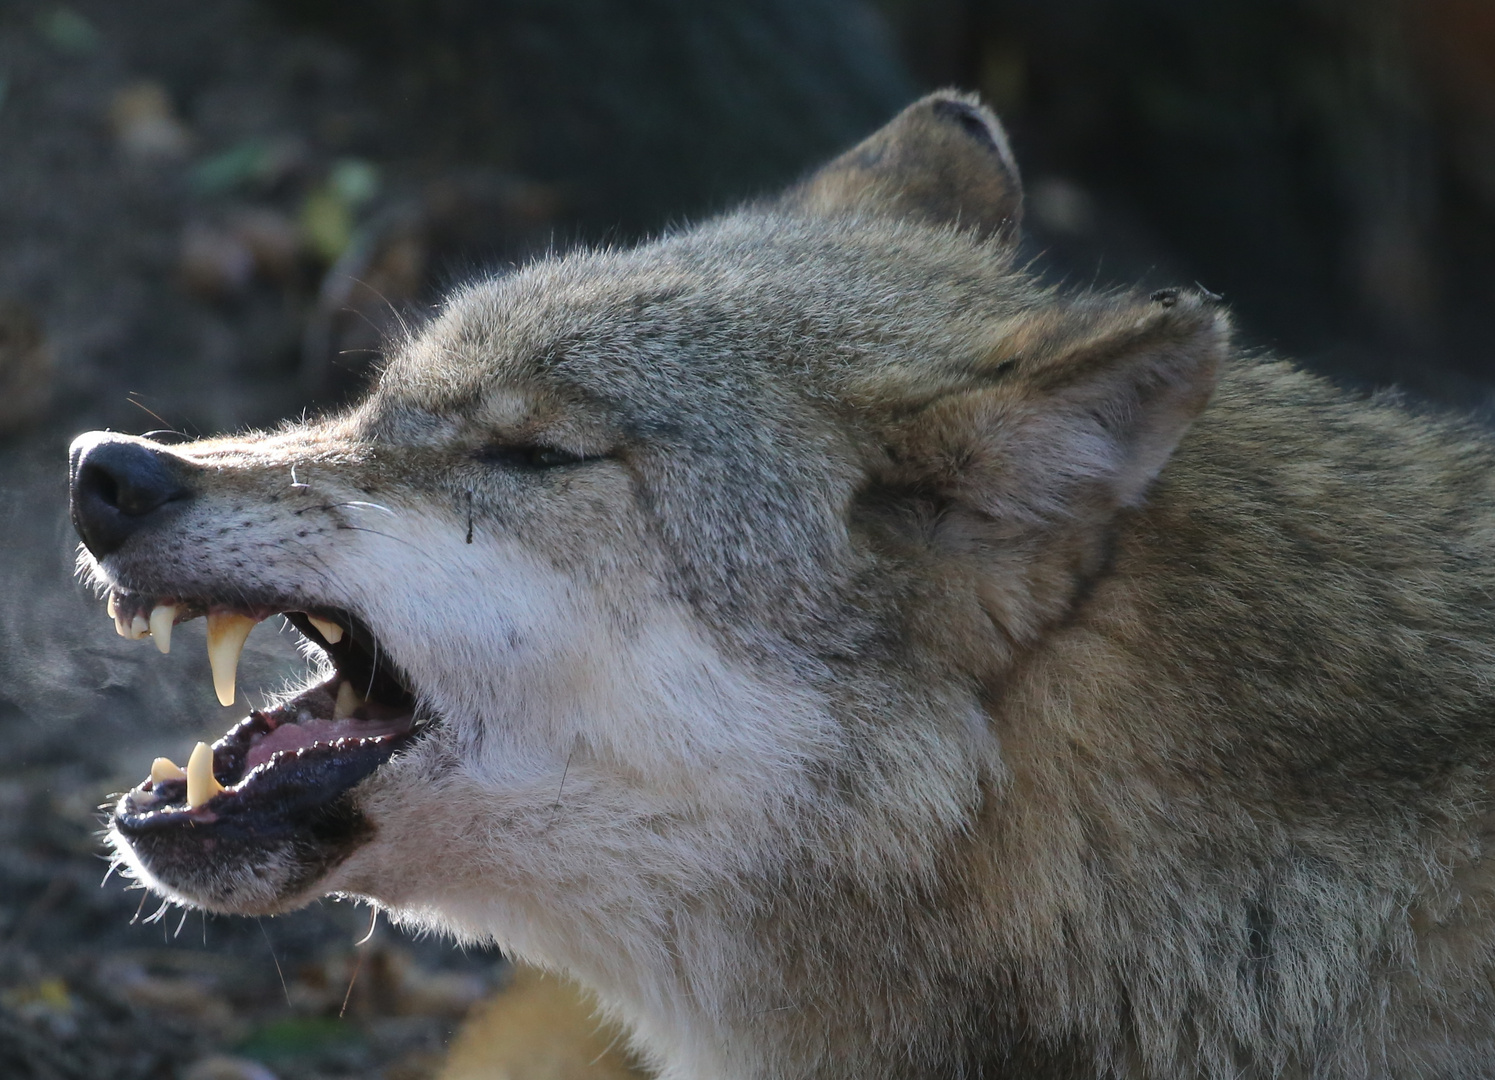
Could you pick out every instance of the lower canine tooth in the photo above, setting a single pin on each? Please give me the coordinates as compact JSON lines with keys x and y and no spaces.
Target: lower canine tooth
{"x":227,"y":632}
{"x":163,"y":768}
{"x":162,"y":618}
{"x":329,"y":630}
{"x":347,"y":701}
{"x":202,"y":785}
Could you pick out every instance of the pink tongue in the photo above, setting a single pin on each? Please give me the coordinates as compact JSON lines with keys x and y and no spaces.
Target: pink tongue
{"x":300,"y":736}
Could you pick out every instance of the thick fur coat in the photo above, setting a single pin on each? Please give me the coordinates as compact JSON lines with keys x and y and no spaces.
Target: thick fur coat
{"x":851,"y":659}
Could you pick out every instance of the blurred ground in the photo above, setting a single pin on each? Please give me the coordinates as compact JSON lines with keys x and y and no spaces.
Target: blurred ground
{"x":151,"y":263}
{"x":212,"y":210}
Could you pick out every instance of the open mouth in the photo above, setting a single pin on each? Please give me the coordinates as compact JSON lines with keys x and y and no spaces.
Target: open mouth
{"x":281,"y":771}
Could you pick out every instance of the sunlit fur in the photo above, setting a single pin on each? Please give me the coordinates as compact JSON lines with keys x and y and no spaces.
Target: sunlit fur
{"x":916,"y":677}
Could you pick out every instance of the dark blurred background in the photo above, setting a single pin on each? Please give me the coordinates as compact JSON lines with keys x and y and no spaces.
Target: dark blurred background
{"x":212,"y":212}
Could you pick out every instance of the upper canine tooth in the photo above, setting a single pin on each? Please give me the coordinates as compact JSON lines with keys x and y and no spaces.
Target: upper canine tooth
{"x":202,"y":785}
{"x":329,"y":630}
{"x":348,"y":699}
{"x":162,"y":618}
{"x":138,"y":628}
{"x":112,"y":607}
{"x":163,"y":768}
{"x":227,"y":632}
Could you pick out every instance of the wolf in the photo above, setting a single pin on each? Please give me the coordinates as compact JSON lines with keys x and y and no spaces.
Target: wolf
{"x":849,"y":656}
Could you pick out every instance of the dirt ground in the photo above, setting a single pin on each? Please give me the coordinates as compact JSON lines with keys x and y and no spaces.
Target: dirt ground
{"x":209,"y":213}
{"x":111,"y":318}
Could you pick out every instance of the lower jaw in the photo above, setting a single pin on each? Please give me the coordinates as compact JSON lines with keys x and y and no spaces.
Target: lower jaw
{"x":243,"y":874}
{"x":279,"y":821}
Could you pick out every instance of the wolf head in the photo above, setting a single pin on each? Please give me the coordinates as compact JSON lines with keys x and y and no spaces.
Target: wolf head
{"x":658,"y":588}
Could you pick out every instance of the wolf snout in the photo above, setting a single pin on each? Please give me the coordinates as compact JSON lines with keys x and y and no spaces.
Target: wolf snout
{"x":120,"y":484}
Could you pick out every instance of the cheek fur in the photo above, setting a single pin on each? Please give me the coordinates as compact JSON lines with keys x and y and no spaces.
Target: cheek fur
{"x":539,"y":664}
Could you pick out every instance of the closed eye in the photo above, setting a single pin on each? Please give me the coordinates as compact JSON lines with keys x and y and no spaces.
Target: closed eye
{"x":530,"y":457}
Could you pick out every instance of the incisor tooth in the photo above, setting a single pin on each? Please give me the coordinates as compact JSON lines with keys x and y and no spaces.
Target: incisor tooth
{"x":348,"y":699}
{"x":162,"y":617}
{"x":227,"y":632}
{"x":163,"y":768}
{"x":202,"y":785}
{"x":138,"y":628}
{"x":329,"y":630}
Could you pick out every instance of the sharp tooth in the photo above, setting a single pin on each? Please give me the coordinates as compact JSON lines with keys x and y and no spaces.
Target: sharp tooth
{"x":163,"y":768}
{"x":329,"y":630}
{"x":202,"y":785}
{"x":112,"y":608}
{"x":227,"y":632}
{"x":348,"y":699}
{"x":162,"y":618}
{"x":138,"y":628}
{"x":121,"y":627}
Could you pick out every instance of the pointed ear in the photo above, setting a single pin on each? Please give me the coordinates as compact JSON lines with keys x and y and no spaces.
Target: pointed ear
{"x":944,"y":160}
{"x":1069,"y":418}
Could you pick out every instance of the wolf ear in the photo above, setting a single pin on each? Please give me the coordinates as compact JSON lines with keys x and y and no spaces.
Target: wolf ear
{"x":943,"y":160}
{"x":1020,"y":471}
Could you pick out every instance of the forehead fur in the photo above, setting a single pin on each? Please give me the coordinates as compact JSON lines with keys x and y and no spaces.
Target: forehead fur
{"x":752,"y":303}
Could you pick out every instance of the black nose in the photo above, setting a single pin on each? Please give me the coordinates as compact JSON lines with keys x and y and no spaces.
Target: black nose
{"x":119,"y":485}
